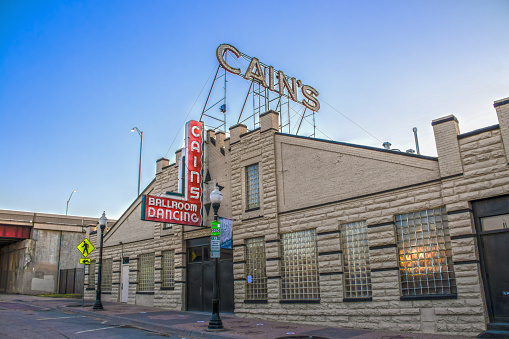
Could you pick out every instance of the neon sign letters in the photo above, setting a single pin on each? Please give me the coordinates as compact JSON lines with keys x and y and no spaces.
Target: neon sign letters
{"x":266,"y":75}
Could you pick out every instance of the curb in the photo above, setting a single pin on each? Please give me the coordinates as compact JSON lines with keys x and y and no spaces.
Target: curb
{"x":144,"y":325}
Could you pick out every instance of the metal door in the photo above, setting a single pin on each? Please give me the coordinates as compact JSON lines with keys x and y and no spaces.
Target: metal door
{"x":124,"y":287}
{"x":200,"y":274}
{"x":492,"y":220}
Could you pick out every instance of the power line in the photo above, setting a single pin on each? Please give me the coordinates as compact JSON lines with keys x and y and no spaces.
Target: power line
{"x":353,"y":122}
{"x":185,"y":119}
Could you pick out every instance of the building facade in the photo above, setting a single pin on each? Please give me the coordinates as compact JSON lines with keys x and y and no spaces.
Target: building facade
{"x":332,"y":233}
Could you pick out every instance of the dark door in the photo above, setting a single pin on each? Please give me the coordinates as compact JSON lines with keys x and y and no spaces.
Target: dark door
{"x":492,"y":220}
{"x":200,"y":274}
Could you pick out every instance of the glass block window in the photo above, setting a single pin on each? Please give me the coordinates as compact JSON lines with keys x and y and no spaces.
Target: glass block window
{"x":168,"y":269}
{"x":356,"y":269}
{"x":256,"y":288}
{"x":91,"y":274}
{"x":299,"y":265}
{"x":106,"y":275}
{"x":424,"y":249}
{"x":146,"y":272}
{"x":253,"y":192}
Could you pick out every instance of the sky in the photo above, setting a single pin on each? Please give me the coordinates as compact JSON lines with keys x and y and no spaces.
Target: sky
{"x":76,"y":76}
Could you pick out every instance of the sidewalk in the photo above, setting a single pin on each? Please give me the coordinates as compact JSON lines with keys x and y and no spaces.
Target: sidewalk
{"x":194,"y":324}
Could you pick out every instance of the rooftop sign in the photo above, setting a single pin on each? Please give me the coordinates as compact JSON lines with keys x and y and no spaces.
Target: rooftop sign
{"x":266,"y":76}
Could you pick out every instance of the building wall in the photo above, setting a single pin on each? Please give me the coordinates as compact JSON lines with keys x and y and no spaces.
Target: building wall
{"x":32,"y":266}
{"x":310,"y":184}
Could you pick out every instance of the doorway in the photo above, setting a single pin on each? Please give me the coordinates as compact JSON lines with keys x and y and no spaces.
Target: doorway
{"x":124,"y":284}
{"x":200,"y":273}
{"x":492,"y":225}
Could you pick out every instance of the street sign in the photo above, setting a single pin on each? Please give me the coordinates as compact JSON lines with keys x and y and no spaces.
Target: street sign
{"x":215,"y":239}
{"x":85,"y":261}
{"x":85,"y":247}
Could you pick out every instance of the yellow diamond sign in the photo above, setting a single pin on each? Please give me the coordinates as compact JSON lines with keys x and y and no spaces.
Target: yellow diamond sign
{"x":85,"y":247}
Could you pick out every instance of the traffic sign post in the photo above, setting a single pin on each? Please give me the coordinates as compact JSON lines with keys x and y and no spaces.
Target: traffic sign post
{"x":215,"y":239}
{"x":85,"y":247}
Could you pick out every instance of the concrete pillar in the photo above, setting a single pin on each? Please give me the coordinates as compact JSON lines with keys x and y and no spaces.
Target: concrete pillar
{"x":269,"y":120}
{"x":160,"y":163}
{"x":236,"y":131}
{"x":220,"y":138}
{"x":502,"y":108}
{"x":446,"y":131}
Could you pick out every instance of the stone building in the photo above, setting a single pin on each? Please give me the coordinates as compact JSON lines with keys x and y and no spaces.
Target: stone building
{"x":333,"y":233}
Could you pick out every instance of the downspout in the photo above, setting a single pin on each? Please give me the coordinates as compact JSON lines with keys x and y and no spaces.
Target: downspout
{"x":58,"y":263}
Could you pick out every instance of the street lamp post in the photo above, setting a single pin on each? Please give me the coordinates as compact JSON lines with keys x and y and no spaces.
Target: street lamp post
{"x":215,"y":322}
{"x":67,"y":208}
{"x":103,"y":221}
{"x":141,"y":151}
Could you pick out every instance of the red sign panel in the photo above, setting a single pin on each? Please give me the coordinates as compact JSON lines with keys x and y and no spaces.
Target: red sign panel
{"x":184,"y":207}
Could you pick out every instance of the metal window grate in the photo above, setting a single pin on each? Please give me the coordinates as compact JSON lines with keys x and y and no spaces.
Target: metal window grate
{"x":356,"y":268}
{"x":253,"y":193}
{"x":425,"y":256}
{"x":91,"y":274}
{"x":106,"y":275}
{"x":168,"y":269}
{"x":256,"y":286}
{"x":146,"y":272}
{"x":299,"y":278}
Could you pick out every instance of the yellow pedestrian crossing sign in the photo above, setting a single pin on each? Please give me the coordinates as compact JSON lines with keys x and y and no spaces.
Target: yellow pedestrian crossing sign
{"x":85,"y":247}
{"x":85,"y":261}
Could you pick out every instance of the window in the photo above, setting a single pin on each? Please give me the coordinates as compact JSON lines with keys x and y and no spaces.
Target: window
{"x":106,"y":275}
{"x":356,"y":269}
{"x":299,"y":276}
{"x":168,"y":269}
{"x":91,"y":274}
{"x":253,"y":192}
{"x":255,"y":269}
{"x":146,"y":272}
{"x":424,"y":249}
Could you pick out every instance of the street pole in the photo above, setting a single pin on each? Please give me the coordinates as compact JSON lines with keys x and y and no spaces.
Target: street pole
{"x":98,"y":304}
{"x":215,"y":322}
{"x":141,"y":151}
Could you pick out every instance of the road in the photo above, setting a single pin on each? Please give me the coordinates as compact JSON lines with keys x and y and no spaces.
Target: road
{"x":22,"y":320}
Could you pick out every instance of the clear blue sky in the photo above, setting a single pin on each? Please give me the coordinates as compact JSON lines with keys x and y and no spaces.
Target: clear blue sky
{"x":76,"y":76}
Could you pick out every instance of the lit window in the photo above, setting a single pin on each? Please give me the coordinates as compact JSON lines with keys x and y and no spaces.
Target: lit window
{"x":106,"y":275}
{"x":146,"y":272}
{"x":356,"y":271}
{"x":168,"y":269}
{"x":424,"y":248}
{"x":255,"y":269}
{"x":299,"y":278}
{"x":253,"y":193}
{"x":91,"y":274}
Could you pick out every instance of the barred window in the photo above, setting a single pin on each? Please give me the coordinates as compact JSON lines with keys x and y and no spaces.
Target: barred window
{"x":168,"y":269}
{"x":91,"y":274}
{"x":106,"y":275}
{"x":299,"y":276}
{"x":425,"y":256}
{"x":256,"y":288}
{"x":356,"y":268}
{"x":253,"y":192}
{"x":146,"y":272}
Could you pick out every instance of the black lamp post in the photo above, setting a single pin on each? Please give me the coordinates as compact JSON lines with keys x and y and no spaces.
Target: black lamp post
{"x":215,"y":322}
{"x":103,"y":221}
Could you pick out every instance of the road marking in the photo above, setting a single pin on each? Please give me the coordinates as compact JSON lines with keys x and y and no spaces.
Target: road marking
{"x":81,"y":316}
{"x":97,"y":329}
